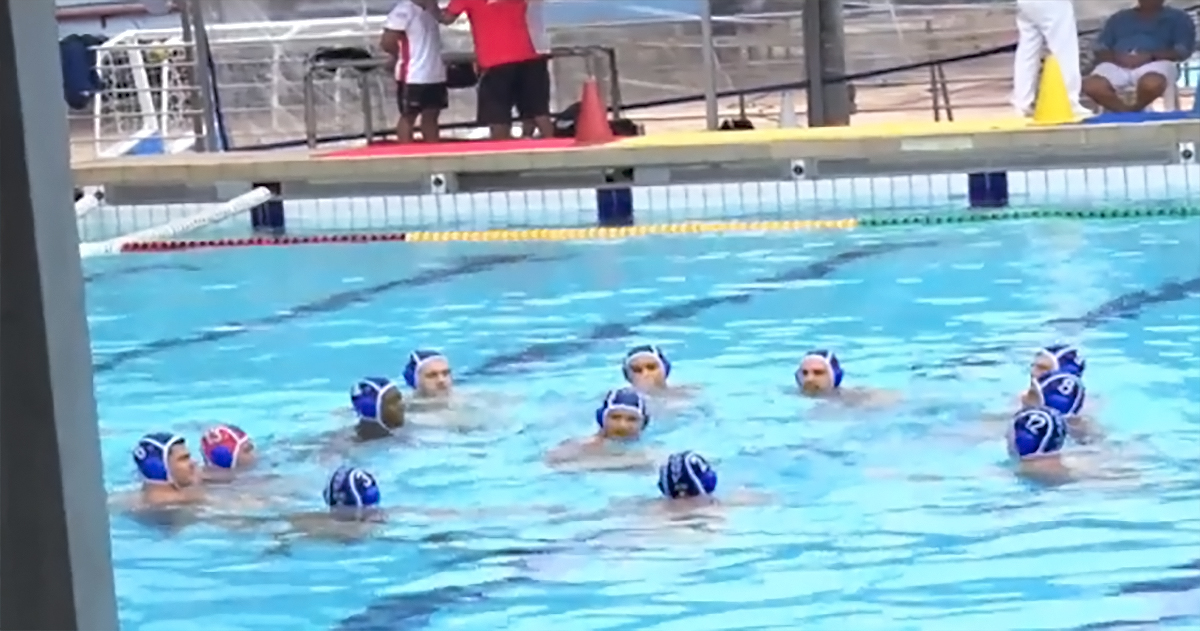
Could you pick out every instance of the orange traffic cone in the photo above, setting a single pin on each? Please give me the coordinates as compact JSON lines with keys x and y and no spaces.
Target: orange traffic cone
{"x":592,"y":126}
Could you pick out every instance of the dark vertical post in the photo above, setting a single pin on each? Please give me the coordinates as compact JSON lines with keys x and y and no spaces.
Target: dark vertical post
{"x":55,"y":557}
{"x":833,"y":61}
{"x":825,"y":59}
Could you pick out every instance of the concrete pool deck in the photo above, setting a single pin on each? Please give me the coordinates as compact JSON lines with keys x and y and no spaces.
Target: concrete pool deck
{"x":669,"y":158}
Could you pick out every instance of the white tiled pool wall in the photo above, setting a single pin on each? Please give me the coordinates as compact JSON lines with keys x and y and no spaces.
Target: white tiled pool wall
{"x":1117,"y":187}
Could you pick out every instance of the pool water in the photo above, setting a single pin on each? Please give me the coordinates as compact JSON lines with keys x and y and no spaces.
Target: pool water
{"x":896,"y":519}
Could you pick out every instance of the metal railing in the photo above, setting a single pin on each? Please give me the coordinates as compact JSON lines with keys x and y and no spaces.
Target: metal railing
{"x":368,"y":72}
{"x":272,"y":100}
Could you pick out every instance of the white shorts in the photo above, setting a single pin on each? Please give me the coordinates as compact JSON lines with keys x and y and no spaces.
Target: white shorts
{"x":1123,"y":79}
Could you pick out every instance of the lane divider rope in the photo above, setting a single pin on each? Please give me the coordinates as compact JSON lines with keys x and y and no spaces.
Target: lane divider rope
{"x":696,"y":227}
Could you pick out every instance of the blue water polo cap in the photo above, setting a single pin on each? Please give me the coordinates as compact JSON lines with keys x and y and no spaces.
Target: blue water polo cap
{"x":686,"y":474}
{"x":1038,"y":431}
{"x":1064,"y":357}
{"x":416,"y":360}
{"x":645,"y":350}
{"x":151,"y":453}
{"x":351,"y":487}
{"x":367,"y":398}
{"x":1061,"y":391}
{"x":625,"y":399}
{"x":831,"y":363}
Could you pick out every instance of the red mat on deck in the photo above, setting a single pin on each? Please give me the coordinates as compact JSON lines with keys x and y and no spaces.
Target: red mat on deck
{"x":452,"y":147}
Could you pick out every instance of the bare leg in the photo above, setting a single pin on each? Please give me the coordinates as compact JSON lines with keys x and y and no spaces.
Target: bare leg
{"x":404,"y":128}
{"x":429,"y":126}
{"x":544,"y":125}
{"x":1103,"y":93}
{"x":501,"y":132}
{"x":1149,"y":88}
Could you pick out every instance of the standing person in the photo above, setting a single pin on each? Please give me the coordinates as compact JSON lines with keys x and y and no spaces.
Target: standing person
{"x":1046,"y":24}
{"x":411,"y":36}
{"x":535,"y":18}
{"x":513,"y":73}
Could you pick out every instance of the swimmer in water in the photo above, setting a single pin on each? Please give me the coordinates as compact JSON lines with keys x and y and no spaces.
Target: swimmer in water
{"x":1064,"y":392}
{"x":428,"y":374}
{"x":379,"y":406}
{"x":621,"y":417}
{"x":1053,"y":358}
{"x":687,"y":485}
{"x":169,"y":475}
{"x":1036,"y":438}
{"x":820,"y":376}
{"x":226,"y":449}
{"x":647,"y":368}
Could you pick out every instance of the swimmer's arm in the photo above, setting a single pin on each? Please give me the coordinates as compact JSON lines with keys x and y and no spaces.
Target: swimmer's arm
{"x":747,"y":497}
{"x":1084,"y":429}
{"x":565,"y":452}
{"x":874,"y":397}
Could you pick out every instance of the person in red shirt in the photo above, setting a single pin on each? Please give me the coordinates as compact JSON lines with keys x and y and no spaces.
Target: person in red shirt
{"x":513,"y":73}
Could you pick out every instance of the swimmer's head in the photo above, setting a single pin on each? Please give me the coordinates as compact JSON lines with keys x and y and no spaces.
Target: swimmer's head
{"x":646,"y":367}
{"x":1035,"y":432}
{"x":623,"y":414}
{"x":819,"y":373}
{"x":378,"y":403}
{"x":428,"y":372}
{"x":1060,"y":391}
{"x":163,"y":458}
{"x":351,"y":490}
{"x":686,"y":474}
{"x":227,"y":447}
{"x":1057,"y":357}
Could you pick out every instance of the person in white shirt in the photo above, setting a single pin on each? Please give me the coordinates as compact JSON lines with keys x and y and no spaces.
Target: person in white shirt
{"x":1046,"y":24}
{"x":412,"y":38}
{"x":535,"y":18}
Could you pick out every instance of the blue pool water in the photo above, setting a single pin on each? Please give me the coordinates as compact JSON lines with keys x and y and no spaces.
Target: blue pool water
{"x":272,"y":338}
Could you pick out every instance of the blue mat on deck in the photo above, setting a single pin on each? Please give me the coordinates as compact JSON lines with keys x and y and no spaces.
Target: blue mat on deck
{"x":1139,"y":117}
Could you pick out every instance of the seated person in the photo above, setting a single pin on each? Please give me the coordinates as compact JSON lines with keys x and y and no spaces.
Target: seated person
{"x":621,"y":419}
{"x":226,"y":449}
{"x":1138,"y":49}
{"x":379,"y":406}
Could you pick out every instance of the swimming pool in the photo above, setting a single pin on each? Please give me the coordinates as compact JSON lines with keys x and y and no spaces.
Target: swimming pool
{"x":272,"y":338}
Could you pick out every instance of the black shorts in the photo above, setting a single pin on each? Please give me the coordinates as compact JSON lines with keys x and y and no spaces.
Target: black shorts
{"x":524,"y":85}
{"x":414,"y":98}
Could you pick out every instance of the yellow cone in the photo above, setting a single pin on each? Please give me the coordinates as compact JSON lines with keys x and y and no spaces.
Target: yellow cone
{"x":1053,"y":106}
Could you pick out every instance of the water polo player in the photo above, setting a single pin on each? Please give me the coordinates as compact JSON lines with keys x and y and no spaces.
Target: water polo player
{"x":226,"y":449}
{"x":379,"y":406}
{"x":621,"y":418}
{"x":820,"y":375}
{"x":1065,"y":393}
{"x":169,"y":475}
{"x":428,"y":374}
{"x":646,"y":368}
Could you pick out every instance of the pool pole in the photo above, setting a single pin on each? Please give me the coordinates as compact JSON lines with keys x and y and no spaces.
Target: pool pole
{"x":55,"y":552}
{"x":267,"y":218}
